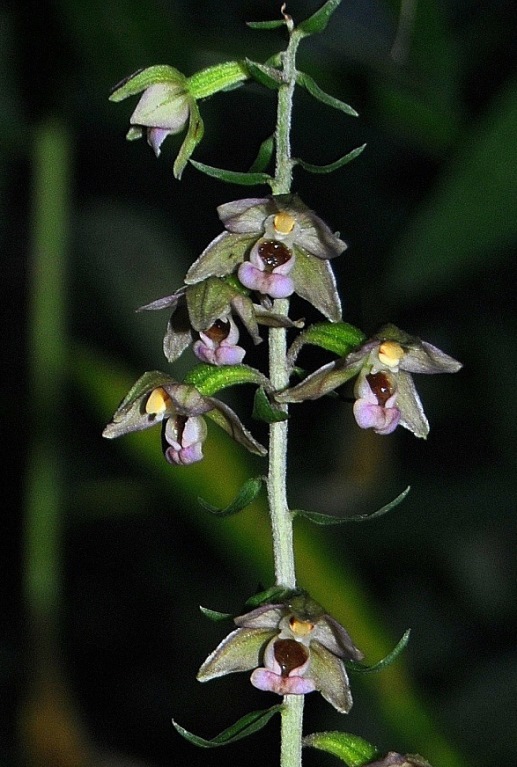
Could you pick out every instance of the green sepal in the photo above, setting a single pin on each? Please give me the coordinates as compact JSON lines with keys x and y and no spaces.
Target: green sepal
{"x":264,"y":155}
{"x":264,"y":410}
{"x":319,"y":20}
{"x":266,"y":24}
{"x":209,"y":379}
{"x":331,"y":167}
{"x":337,"y":337}
{"x":215,"y":615}
{"x":267,"y":76}
{"x":233,"y":177}
{"x":384,"y":662}
{"x":310,"y":85}
{"x":353,"y":750}
{"x":143,"y":78}
{"x":220,"y":77}
{"x":247,"y":725}
{"x":207,"y":300}
{"x":329,"y":519}
{"x":246,"y":495}
{"x":272,"y":595}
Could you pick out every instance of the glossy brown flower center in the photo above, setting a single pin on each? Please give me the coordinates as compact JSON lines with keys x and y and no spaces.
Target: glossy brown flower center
{"x":218,"y":331}
{"x":289,"y":655}
{"x":381,"y":386}
{"x":273,"y":254}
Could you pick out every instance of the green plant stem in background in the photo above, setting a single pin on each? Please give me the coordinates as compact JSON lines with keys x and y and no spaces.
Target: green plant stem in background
{"x":47,"y":369}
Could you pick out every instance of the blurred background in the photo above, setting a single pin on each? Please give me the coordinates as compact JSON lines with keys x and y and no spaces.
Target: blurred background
{"x":106,"y":554}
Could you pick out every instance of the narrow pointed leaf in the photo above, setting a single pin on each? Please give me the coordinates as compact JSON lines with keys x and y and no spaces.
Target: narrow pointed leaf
{"x":215,"y":615}
{"x":351,"y":749}
{"x":266,"y":24}
{"x":319,"y":20}
{"x":331,"y":519}
{"x":263,"y":410}
{"x":209,"y":379}
{"x":310,"y":85}
{"x":233,"y":177}
{"x":265,"y":75}
{"x":265,"y":153}
{"x":331,"y":167}
{"x":336,"y":337}
{"x":246,"y":495}
{"x":247,"y":725}
{"x":386,"y":661}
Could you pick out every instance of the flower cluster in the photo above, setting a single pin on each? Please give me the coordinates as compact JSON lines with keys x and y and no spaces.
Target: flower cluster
{"x":293,"y":647}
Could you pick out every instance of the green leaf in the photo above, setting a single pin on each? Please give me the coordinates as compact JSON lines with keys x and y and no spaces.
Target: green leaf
{"x":331,"y":167}
{"x":310,"y":85}
{"x":231,"y":176}
{"x":263,"y":410}
{"x":209,"y":379}
{"x":272,"y":595}
{"x":247,"y":725}
{"x":319,"y":20}
{"x":336,"y":337}
{"x":266,"y":24}
{"x":386,"y":661}
{"x":330,"y":519}
{"x":265,"y":75}
{"x":215,"y":615}
{"x":265,"y":153}
{"x":246,"y":495}
{"x":351,"y":749}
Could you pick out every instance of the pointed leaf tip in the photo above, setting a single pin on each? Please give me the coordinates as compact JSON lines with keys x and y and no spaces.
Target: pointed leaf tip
{"x":247,"y":725}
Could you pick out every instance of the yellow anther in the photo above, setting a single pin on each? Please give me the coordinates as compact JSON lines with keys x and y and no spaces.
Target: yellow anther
{"x":284,"y":222}
{"x":390,"y":353}
{"x":158,"y":402}
{"x":301,"y":628}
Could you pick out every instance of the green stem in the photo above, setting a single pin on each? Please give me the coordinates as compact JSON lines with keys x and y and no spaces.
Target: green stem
{"x":281,"y":517}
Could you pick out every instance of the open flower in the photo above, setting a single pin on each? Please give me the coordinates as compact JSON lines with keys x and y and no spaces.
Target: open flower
{"x":180,"y":408}
{"x":384,"y":390}
{"x":202,"y":315}
{"x":165,"y":108}
{"x":293,"y":647}
{"x":277,"y":246}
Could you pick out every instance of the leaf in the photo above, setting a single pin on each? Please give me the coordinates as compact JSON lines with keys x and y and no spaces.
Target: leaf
{"x":246,"y":495}
{"x":272,"y":595}
{"x":331,"y":167}
{"x":319,"y":20}
{"x":337,"y":337}
{"x":265,"y":153}
{"x":247,"y":725}
{"x":266,"y":24}
{"x":263,"y":410}
{"x":265,"y":75}
{"x":469,"y":220}
{"x":386,"y":661}
{"x":351,"y":749}
{"x":215,"y":615}
{"x":209,"y":379}
{"x":231,"y":176}
{"x":331,"y":519}
{"x":310,"y":85}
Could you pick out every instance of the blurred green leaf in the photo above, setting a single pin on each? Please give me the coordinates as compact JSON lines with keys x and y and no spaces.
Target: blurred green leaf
{"x":351,"y":749}
{"x":470,"y":218}
{"x":319,"y":20}
{"x":331,"y":519}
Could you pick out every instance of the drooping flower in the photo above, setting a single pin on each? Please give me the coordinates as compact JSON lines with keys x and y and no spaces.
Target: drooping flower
{"x":217,"y":345}
{"x":293,"y":648}
{"x":180,"y":408}
{"x":384,"y":390}
{"x":277,"y":246}
{"x":165,"y":108}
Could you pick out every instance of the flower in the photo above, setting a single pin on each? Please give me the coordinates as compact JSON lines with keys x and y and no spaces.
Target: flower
{"x":157,"y":398}
{"x":165,"y":108}
{"x":393,"y":759}
{"x":384,"y":390}
{"x":293,"y":647}
{"x":202,"y":315}
{"x":277,"y":246}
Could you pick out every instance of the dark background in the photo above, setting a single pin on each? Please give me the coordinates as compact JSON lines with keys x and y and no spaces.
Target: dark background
{"x":92,"y":671}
